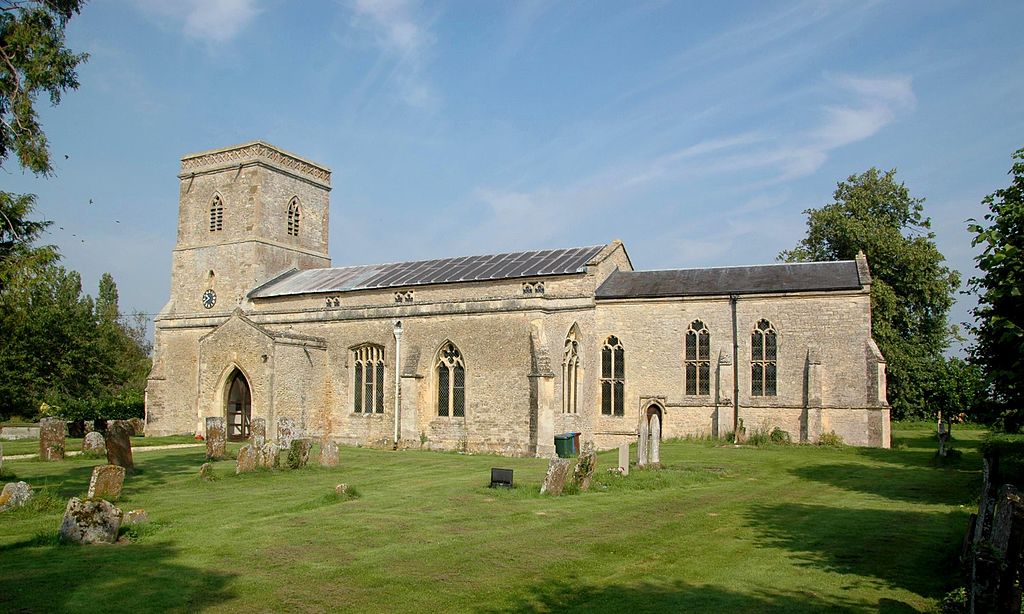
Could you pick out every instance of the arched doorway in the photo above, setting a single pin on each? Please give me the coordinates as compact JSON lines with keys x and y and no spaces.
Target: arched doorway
{"x":239,"y":410}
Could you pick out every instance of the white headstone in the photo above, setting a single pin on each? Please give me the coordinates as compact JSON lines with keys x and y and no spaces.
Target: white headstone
{"x":641,"y":448}
{"x":624,"y":458}
{"x":655,"y":449}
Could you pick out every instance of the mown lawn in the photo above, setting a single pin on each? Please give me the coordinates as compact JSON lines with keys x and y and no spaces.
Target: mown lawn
{"x":780,"y":529}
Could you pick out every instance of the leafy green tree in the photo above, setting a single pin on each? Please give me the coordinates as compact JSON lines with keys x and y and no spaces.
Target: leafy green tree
{"x":33,"y":62}
{"x":911,"y":291}
{"x":999,"y":330}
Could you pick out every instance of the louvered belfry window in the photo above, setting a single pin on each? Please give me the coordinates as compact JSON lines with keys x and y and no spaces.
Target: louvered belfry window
{"x":368,"y":386}
{"x":451,"y":382}
{"x":698,"y":359}
{"x":216,"y":214}
{"x":293,"y":217}
{"x":763,"y":360}
{"x":613,"y":377}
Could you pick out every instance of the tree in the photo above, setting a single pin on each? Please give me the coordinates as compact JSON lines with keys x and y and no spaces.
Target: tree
{"x":33,"y":61}
{"x":999,"y":329}
{"x":911,"y":291}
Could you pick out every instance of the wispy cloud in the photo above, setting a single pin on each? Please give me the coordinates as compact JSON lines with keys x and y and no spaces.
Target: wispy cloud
{"x":210,"y":21}
{"x":402,"y":35}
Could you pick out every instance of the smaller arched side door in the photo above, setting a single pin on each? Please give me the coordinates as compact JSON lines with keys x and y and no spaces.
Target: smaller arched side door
{"x":239,"y":409}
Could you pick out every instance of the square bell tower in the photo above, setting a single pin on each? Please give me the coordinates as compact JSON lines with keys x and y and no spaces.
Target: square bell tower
{"x":246,"y":213}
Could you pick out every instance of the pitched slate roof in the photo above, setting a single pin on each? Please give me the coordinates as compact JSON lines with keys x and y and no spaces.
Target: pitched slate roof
{"x":768,"y":278}
{"x":425,"y":272}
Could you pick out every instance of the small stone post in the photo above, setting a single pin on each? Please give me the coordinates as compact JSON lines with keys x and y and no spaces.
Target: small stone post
{"x":52,"y":434}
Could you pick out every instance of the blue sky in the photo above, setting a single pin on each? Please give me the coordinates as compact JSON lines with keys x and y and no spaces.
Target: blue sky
{"x":697,"y":133}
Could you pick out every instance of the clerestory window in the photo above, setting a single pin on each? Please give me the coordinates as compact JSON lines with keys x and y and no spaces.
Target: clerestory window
{"x":613,"y":377}
{"x":451,"y":382}
{"x":698,"y":359}
{"x":368,"y":386}
{"x":763,"y":360}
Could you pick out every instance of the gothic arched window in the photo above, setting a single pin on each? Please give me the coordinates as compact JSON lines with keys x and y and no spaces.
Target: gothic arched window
{"x":216,"y":213}
{"x":570,"y":371}
{"x":698,"y":359}
{"x":368,"y":387}
{"x":613,"y":378}
{"x":763,"y":360}
{"x":293,"y":217}
{"x":451,"y":382}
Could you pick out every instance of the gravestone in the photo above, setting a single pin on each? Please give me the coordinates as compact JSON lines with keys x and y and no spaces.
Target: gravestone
{"x":298,"y":453}
{"x":586,"y":464}
{"x":341,"y":489}
{"x":247,"y":459}
{"x":52,"y":434}
{"x":216,"y":438}
{"x":106,"y":482}
{"x":556,"y":477}
{"x":135,"y":517}
{"x":328,"y":454}
{"x":654,"y":450}
{"x":119,"y":444}
{"x":624,"y":459}
{"x":93,"y":445}
{"x":14,"y":494}
{"x":90,"y":522}
{"x":258,"y":432}
{"x":206,"y":472}
{"x":90,"y":427}
{"x":641,"y":447}
{"x":271,"y":455}
{"x":138,"y":426}
{"x":286,"y":432}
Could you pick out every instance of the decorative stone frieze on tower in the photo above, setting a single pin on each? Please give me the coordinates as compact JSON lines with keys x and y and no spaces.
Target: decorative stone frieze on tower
{"x":246,"y":214}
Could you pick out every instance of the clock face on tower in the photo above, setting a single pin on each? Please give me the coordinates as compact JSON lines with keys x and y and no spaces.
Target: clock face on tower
{"x":209,"y":299}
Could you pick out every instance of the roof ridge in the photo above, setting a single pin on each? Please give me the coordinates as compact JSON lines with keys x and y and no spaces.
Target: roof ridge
{"x":741,"y":266}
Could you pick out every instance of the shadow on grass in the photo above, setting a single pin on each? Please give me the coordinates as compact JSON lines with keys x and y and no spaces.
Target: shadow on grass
{"x":678,"y":596}
{"x":916,"y":551}
{"x":124,"y":577}
{"x":920,"y":450}
{"x":913,"y":484}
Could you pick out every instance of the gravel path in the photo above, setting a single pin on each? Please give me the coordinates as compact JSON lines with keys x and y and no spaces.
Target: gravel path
{"x":135,"y":450}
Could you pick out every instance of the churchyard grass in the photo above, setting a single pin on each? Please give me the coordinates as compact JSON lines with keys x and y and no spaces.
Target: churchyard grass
{"x":770,"y":529}
{"x":31,"y":446}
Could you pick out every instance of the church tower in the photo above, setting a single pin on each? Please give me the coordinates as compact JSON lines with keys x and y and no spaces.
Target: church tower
{"x":246,"y":214}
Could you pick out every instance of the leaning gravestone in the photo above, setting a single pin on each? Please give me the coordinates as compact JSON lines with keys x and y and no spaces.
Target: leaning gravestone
{"x":556,"y":477}
{"x":14,"y":494}
{"x":106,"y":482}
{"x":216,"y":438}
{"x":93,"y":445}
{"x":119,"y":444}
{"x":624,"y":458}
{"x":298,"y":453}
{"x":286,"y":432}
{"x":583,"y":472}
{"x":52,"y":433}
{"x":90,"y":522}
{"x":247,"y":459}
{"x":258,"y":432}
{"x":328,"y":454}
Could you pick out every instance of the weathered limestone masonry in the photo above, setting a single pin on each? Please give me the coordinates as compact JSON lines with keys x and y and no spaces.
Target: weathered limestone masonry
{"x":498,"y":353}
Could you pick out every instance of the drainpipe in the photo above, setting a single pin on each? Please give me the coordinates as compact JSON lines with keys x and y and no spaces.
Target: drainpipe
{"x":398,"y":377}
{"x":733,"y":299}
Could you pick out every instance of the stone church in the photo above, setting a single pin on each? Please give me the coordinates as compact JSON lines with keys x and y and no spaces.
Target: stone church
{"x":494,"y":353}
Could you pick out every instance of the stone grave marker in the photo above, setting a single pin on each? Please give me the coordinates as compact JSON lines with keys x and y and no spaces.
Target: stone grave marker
{"x":94,"y":445}
{"x":138,"y":426}
{"x":14,"y":494}
{"x":298,"y":453}
{"x":90,"y":522}
{"x":586,"y":464}
{"x":247,"y":459}
{"x":216,"y":438}
{"x":328,"y":454}
{"x":135,"y":517}
{"x":655,"y":448}
{"x":206,"y":472}
{"x":106,"y":482}
{"x":52,"y":435}
{"x":556,"y":477}
{"x":119,"y":444}
{"x":624,"y":459}
{"x":269,"y":455}
{"x":286,"y":432}
{"x":641,"y":448}
{"x":258,"y":432}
